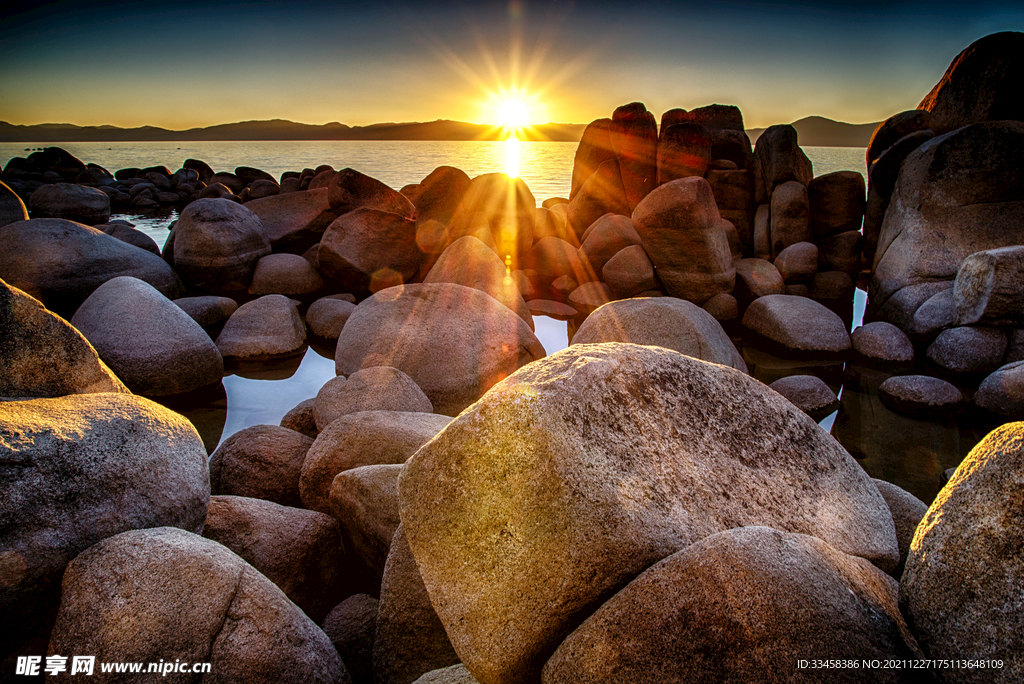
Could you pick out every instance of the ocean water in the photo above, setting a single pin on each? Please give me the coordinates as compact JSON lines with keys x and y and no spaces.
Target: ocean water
{"x":908,"y":452}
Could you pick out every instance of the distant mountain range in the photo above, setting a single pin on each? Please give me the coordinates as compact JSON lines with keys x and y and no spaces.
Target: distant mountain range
{"x":812,"y":131}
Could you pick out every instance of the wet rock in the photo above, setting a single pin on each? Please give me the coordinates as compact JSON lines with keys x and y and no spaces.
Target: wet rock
{"x":453,"y":341}
{"x":361,"y":439}
{"x":370,"y":249}
{"x":43,"y":356}
{"x":634,"y":140}
{"x":153,"y":346}
{"x":326,"y":317}
{"x":920,"y":396}
{"x":113,"y":462}
{"x":738,"y":606}
{"x":881,"y":344}
{"x":808,"y":393}
{"x":988,"y":289}
{"x":602,"y":193}
{"x":797,"y":325}
{"x":797,"y":263}
{"x":629,"y":273}
{"x":261,"y":462}
{"x":961,"y":585}
{"x":501,"y":508}
{"x":410,"y":638}
{"x":350,"y":190}
{"x":351,"y":626}
{"x":71,"y":202}
{"x":667,"y":322}
{"x":191,"y":599}
{"x":286,"y":274}
{"x":365,"y":502}
{"x":956,"y":195}
{"x":217,"y":244}
{"x":968,"y":350}
{"x":60,"y":262}
{"x":778,"y":159}
{"x":1003,"y":391}
{"x":686,"y":239}
{"x":907,"y":511}
{"x":294,"y":221}
{"x":790,"y":216}
{"x":263,"y":328}
{"x":376,"y":388}
{"x":469,"y":262}
{"x":298,"y":550}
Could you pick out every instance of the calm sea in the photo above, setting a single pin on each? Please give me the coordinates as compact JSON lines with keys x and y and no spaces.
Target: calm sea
{"x":908,"y":452}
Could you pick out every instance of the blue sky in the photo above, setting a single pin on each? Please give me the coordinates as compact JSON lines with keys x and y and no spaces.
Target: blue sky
{"x":187,"y":63}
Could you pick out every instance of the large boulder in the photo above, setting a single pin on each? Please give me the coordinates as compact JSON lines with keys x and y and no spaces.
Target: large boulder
{"x":71,"y":202}
{"x":1002,"y":392}
{"x":61,"y":262}
{"x":790,"y":216}
{"x":294,"y":221}
{"x":147,"y":340}
{"x":453,"y":341}
{"x":365,"y":502}
{"x":667,"y":322}
{"x":79,"y":469}
{"x":262,"y":462}
{"x":300,"y":551}
{"x":574,"y":475}
{"x":988,"y":288}
{"x":634,"y":140}
{"x":191,"y":599}
{"x":439,"y":194}
{"x":217,"y":243}
{"x":351,"y":626}
{"x":961,"y":589}
{"x":778,"y":159}
{"x":837,"y":202}
{"x":686,"y":239}
{"x":470,"y":262}
{"x":981,"y":84}
{"x":601,"y":194}
{"x":743,"y":605}
{"x":43,"y":356}
{"x":349,"y":190}
{"x":958,"y":194}
{"x":370,"y":249}
{"x":684,"y":150}
{"x":594,"y":149}
{"x":263,"y":328}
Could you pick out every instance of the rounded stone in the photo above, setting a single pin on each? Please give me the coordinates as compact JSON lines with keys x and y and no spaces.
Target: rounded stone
{"x":377,"y":388}
{"x":882,"y":344}
{"x":808,"y":393}
{"x":797,"y":325}
{"x":286,"y":274}
{"x":920,"y":396}
{"x":326,"y":317}
{"x":1003,"y":391}
{"x":261,"y":462}
{"x":217,"y":243}
{"x":265,"y":327}
{"x":966,"y":350}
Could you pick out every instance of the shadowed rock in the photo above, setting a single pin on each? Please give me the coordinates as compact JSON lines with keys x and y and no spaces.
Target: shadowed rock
{"x":634,"y":140}
{"x":907,"y":511}
{"x":349,"y":190}
{"x":797,"y":325}
{"x":217,"y":244}
{"x":376,"y":388}
{"x":602,"y":193}
{"x":263,"y":328}
{"x":262,"y":462}
{"x":594,"y":149}
{"x":365,"y":502}
{"x":370,"y":249}
{"x":71,"y":202}
{"x":778,"y":159}
{"x":351,"y":626}
{"x":294,"y":221}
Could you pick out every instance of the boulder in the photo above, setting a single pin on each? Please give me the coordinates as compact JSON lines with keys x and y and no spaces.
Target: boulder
{"x":79,"y":469}
{"x":574,"y":475}
{"x":470,"y":262}
{"x":43,"y":356}
{"x":907,"y":511}
{"x":601,"y":194}
{"x":836,"y":286}
{"x":439,"y":194}
{"x":350,"y":190}
{"x":957,"y":194}
{"x":981,"y":84}
{"x":778,"y":159}
{"x":365,"y":501}
{"x":790,"y":216}
{"x":286,"y":274}
{"x":837,"y":203}
{"x":741,"y":606}
{"x":410,"y":638}
{"x":217,"y":244}
{"x":125,"y":232}
{"x":756,"y":278}
{"x":605,"y":238}
{"x":629,"y":272}
{"x":61,"y":262}
{"x":634,"y":140}
{"x":685,"y":237}
{"x":369,"y":249}
{"x":300,"y":551}
{"x":589,"y":296}
{"x":797,"y":263}
{"x":71,"y":202}
{"x":594,"y":149}
{"x":882,"y":345}
{"x":261,"y":462}
{"x":797,"y":325}
{"x":841,"y":252}
{"x":808,"y":393}
{"x":551,"y":257}
{"x":11,"y":207}
{"x":209,"y":311}
{"x":57,"y":160}
{"x":723,"y":307}
{"x":351,"y":626}
{"x":453,"y":341}
{"x":684,"y":150}
{"x":551,"y":309}
{"x":263,"y":328}
{"x":361,"y":439}
{"x":762,"y":232}
{"x":1003,"y":391}
{"x":667,"y":322}
{"x":732,"y":195}
{"x":968,"y":350}
{"x":293,"y":221}
{"x":300,"y":418}
{"x":960,"y":591}
{"x":934,"y":315}
{"x":453,"y":674}
{"x":920,"y":396}
{"x":893,"y":129}
{"x":883,"y":174}
{"x":191,"y":599}
{"x":150,"y":343}
{"x":376,"y":388}
{"x":326,"y":317}
{"x":501,"y":206}
{"x":988,"y":288}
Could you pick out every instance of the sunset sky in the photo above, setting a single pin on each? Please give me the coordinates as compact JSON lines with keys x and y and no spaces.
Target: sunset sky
{"x":183,"y":64}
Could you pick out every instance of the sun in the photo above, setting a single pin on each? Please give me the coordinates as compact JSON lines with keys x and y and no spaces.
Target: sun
{"x":513,"y":113}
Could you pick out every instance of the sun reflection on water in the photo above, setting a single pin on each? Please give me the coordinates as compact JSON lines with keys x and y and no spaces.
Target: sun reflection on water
{"x":512,"y":156}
